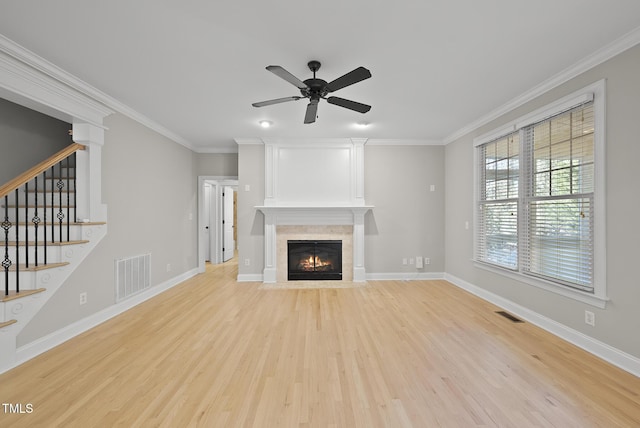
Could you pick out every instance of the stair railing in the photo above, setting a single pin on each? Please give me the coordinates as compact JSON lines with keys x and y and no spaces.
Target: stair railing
{"x":55,"y":170}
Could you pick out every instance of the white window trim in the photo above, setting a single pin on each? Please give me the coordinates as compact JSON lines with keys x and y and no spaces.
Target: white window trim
{"x":595,"y":91}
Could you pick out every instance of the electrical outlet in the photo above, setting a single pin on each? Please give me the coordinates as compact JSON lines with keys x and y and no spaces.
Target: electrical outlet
{"x":404,"y":261}
{"x":83,"y":298}
{"x":590,"y":318}
{"x":427,"y":261}
{"x":247,"y":262}
{"x":411,"y":261}
{"x":419,"y":262}
{"x":168,"y":267}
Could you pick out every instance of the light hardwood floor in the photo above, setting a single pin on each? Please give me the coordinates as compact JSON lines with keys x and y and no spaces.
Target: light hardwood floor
{"x":215,"y":353}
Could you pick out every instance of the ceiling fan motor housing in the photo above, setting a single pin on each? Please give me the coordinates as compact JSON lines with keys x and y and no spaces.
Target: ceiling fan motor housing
{"x":316,"y":88}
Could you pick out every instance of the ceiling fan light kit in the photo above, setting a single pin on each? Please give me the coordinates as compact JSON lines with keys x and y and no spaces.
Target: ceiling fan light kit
{"x":315,"y":89}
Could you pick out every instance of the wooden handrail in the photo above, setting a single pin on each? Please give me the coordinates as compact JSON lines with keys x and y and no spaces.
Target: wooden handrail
{"x":30,"y":174}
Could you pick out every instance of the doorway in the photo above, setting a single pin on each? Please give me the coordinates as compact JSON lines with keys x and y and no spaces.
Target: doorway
{"x":217,"y":213}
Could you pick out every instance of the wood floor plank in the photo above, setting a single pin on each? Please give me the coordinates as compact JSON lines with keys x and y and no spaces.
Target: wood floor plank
{"x":212,"y":352}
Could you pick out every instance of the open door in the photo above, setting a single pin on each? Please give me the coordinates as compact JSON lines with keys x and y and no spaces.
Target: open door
{"x":229,"y":243}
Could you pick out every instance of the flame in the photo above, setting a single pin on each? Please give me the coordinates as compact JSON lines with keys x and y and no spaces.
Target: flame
{"x":313,"y":262}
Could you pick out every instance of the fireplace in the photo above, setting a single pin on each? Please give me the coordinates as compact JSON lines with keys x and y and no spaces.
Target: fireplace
{"x":314,"y":260}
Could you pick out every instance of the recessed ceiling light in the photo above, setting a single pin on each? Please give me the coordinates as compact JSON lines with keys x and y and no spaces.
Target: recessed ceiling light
{"x":362,"y":124}
{"x":265,"y":123}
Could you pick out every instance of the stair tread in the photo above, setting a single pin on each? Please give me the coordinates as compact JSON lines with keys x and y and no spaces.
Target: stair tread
{"x":48,"y":192}
{"x":7,"y":323}
{"x":56,"y":223}
{"x":38,"y":206}
{"x":13,"y":295}
{"x":49,"y":243}
{"x":33,"y":268}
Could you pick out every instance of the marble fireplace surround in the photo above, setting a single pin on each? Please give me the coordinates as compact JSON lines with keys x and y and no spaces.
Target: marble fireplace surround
{"x":314,"y":189}
{"x":284,"y":223}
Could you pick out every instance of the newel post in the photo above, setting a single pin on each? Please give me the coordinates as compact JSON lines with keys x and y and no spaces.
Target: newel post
{"x":89,"y":172}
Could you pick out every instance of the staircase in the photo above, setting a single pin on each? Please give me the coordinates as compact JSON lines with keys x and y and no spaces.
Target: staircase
{"x":42,"y":241}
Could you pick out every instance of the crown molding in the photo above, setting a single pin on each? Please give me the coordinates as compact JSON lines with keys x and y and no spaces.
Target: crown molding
{"x":618,"y":46}
{"x":34,"y":82}
{"x":216,"y":149}
{"x":248,"y":141}
{"x":403,"y":142}
{"x":29,"y":80}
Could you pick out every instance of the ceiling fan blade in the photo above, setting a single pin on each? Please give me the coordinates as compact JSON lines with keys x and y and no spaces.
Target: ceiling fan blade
{"x":355,"y":76}
{"x":312,"y":111}
{"x":276,"y":101}
{"x":284,"y":74}
{"x":351,"y":105}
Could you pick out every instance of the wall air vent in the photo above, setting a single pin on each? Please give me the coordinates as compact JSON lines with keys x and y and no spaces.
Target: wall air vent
{"x":132,"y":275}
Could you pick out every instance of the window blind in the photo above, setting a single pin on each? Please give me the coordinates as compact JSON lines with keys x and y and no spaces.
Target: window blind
{"x":558,"y":198}
{"x":499,"y":166}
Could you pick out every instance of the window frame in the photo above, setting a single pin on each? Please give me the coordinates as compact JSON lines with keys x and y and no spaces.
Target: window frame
{"x":596,"y":93}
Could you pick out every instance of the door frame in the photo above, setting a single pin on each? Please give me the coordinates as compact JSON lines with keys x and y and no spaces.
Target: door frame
{"x":217,"y":182}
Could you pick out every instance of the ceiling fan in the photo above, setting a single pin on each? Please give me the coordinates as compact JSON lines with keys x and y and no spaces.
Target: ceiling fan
{"x":315,"y":89}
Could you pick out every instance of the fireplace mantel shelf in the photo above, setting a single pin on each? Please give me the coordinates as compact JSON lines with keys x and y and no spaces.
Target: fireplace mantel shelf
{"x":314,"y":215}
{"x":276,"y":208}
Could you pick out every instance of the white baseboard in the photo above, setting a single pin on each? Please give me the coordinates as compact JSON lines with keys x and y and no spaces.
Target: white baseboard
{"x":404,"y":276}
{"x":39,"y":346}
{"x":608,"y":353}
{"x":250,"y":277}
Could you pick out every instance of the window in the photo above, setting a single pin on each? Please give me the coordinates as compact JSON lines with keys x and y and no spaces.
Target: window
{"x":539,"y":210}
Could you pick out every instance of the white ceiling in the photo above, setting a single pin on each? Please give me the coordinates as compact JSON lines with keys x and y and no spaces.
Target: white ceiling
{"x":195,"y":66}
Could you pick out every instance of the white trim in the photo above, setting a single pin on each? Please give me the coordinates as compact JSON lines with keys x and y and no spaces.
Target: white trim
{"x":56,"y":90}
{"x":250,"y":277}
{"x":31,"y":81}
{"x":495,"y":134}
{"x":403,"y":142}
{"x":405,"y":276}
{"x":600,"y":349}
{"x":559,"y":106}
{"x":39,"y":346}
{"x":618,"y":46}
{"x":575,"y":294}
{"x":231,"y":180}
{"x":217,"y":150}
{"x":248,"y":141}
{"x":595,"y":92}
{"x":608,"y":353}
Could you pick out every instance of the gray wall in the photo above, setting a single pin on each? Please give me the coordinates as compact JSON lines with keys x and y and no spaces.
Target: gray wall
{"x":407,"y":220}
{"x":408,"y":217}
{"x":619,"y":323}
{"x":250,"y":221}
{"x":149,"y":187}
{"x":218,"y":164}
{"x":27,"y":138}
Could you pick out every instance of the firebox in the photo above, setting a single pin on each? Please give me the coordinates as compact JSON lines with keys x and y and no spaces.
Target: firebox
{"x":314,"y":260}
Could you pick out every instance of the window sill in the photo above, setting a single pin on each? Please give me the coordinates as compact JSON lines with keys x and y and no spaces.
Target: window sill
{"x":581,"y":296}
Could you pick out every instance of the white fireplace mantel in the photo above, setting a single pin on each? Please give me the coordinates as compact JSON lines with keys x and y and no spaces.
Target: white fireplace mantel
{"x":318,"y":182}
{"x":313,"y":216}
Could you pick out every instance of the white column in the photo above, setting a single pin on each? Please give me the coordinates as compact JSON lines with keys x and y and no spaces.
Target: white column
{"x":89,"y":172}
{"x":357,"y":170}
{"x":359,"y":273}
{"x":270,"y":250}
{"x":270,"y":171}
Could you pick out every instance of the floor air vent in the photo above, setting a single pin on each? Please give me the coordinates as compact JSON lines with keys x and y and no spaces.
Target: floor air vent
{"x":132,"y":275}
{"x":509,"y":316}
